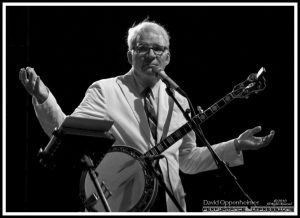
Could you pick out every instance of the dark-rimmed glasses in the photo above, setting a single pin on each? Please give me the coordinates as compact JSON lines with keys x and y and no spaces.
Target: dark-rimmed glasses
{"x":144,"y":49}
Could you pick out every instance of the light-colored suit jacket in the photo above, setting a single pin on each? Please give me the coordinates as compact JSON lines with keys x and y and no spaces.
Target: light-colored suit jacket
{"x":117,"y":99}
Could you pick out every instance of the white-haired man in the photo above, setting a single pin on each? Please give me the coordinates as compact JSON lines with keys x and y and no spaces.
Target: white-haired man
{"x":122,"y":99}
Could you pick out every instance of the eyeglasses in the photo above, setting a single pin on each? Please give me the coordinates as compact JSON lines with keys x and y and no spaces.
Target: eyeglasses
{"x":144,"y":49}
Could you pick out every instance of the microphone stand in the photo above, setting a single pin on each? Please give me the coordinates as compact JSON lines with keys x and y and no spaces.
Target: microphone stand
{"x":197,"y":129}
{"x":89,"y":165}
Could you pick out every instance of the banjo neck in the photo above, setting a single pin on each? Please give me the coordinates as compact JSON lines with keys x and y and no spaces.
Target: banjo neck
{"x":186,"y":128}
{"x":254,"y":83}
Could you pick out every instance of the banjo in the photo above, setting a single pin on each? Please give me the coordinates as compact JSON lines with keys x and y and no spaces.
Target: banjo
{"x":125,"y":179}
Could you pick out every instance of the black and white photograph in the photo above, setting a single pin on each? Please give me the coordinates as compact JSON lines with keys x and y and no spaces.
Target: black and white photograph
{"x":151,"y":108}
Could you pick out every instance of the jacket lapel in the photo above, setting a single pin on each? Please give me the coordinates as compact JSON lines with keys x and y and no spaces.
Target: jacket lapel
{"x":135,"y":102}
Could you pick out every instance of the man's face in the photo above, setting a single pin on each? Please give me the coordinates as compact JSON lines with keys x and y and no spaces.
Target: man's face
{"x":149,"y":52}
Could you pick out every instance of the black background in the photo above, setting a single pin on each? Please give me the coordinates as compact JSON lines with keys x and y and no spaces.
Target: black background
{"x":212,"y":50}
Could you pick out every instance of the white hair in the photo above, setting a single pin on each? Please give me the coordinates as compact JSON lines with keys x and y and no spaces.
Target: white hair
{"x":135,"y":32}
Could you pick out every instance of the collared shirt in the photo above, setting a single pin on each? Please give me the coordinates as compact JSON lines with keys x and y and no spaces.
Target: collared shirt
{"x":154,"y":91}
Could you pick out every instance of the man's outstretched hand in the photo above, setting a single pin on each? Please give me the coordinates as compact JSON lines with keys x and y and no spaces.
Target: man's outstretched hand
{"x":33,"y":84}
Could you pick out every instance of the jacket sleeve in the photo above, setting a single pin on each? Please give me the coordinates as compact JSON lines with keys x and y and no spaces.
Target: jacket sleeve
{"x":48,"y":113}
{"x":194,"y":159}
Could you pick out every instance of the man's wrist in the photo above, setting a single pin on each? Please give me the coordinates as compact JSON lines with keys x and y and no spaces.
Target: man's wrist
{"x":237,"y":146}
{"x":42,"y":98}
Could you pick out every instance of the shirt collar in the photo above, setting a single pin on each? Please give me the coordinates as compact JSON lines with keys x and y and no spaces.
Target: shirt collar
{"x":140,"y":88}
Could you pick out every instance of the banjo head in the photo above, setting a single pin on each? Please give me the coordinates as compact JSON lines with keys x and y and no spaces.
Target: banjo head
{"x":125,"y":180}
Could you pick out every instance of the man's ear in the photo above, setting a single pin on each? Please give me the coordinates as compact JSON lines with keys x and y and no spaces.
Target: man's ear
{"x":168,"y":58}
{"x":129,"y":57}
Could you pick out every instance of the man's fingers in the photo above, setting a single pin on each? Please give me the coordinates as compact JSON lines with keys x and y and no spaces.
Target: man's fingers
{"x":267,"y":139}
{"x":36,"y":85}
{"x":28,"y":78}
{"x":255,"y":130}
{"x":32,"y":75}
{"x":37,"y":81}
{"x":23,"y":76}
{"x":32,"y":79}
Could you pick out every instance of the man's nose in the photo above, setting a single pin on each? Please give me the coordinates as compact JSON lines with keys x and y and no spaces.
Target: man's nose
{"x":151,"y":53}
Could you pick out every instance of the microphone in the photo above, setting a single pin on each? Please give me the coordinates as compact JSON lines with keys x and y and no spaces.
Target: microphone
{"x":169,"y":82}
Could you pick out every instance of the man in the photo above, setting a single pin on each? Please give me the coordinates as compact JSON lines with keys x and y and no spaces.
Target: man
{"x":123,"y":100}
